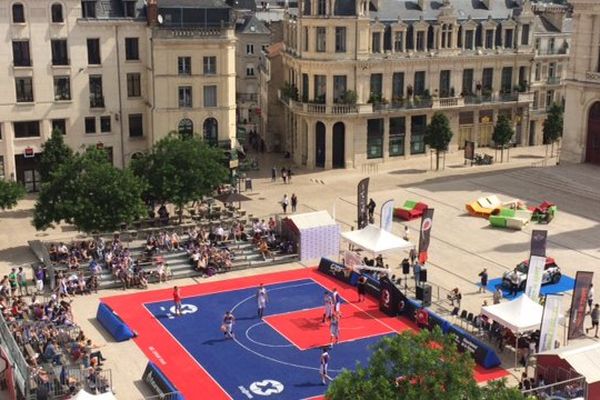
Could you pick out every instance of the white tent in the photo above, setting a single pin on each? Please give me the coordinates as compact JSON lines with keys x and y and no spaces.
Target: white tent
{"x":583,"y":356}
{"x":376,"y":240}
{"x":316,"y":233}
{"x":83,"y":395}
{"x":520,"y":315}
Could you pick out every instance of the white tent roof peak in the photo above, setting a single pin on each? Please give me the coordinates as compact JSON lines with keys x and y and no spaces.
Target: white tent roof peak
{"x":312,"y":220}
{"x":519,"y":315}
{"x":376,"y":240}
{"x":583,"y":356}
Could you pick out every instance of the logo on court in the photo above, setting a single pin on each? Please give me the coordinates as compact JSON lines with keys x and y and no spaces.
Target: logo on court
{"x":185,"y":309}
{"x":266,"y":387}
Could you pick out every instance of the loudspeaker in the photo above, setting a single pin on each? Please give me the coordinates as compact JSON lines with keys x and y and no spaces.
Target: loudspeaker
{"x":405,"y":267}
{"x":423,"y":275}
{"x":424,"y":294}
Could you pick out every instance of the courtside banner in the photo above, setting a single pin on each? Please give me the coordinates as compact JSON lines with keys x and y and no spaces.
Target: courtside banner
{"x":159,"y":383}
{"x":538,"y":243}
{"x":534,"y":276}
{"x":336,"y":270}
{"x":425,"y":234}
{"x":550,"y":320}
{"x":362,"y":192}
{"x":390,"y":297}
{"x":583,"y":280}
{"x":387,"y":215}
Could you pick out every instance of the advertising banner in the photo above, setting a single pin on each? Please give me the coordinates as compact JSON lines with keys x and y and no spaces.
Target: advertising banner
{"x":159,"y":383}
{"x":538,"y":243}
{"x":362,"y":192}
{"x":425,"y":234}
{"x":583,"y":281}
{"x":390,"y":297}
{"x":550,"y":320}
{"x":534,"y":276}
{"x":387,"y":215}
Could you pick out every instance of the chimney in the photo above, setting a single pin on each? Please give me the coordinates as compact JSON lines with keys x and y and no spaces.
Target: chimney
{"x":152,"y":12}
{"x":421,"y":4}
{"x":487,"y":4}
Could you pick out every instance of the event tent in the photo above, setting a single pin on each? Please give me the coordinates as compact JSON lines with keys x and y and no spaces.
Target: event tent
{"x":520,"y":315}
{"x":376,"y":240}
{"x":316,"y":233}
{"x":83,"y":395}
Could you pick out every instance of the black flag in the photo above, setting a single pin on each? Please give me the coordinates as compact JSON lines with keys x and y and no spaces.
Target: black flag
{"x":363,"y":198}
{"x":425,"y":234}
{"x":583,"y":282}
{"x":538,"y":243}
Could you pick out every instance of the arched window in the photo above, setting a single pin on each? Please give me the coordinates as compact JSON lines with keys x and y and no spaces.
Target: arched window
{"x":211,"y":131}
{"x":57,"y":13}
{"x":18,"y":13}
{"x":186,"y":128}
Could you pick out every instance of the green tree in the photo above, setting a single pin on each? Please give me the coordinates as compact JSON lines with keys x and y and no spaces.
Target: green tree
{"x":10,"y":194}
{"x":54,"y":153}
{"x":503,"y":132}
{"x":181,"y":170}
{"x":425,"y":365}
{"x":88,"y":192}
{"x":553,"y":125}
{"x":438,"y":135}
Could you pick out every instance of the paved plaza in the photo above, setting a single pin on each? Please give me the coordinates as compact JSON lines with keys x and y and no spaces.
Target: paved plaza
{"x":461,"y":245}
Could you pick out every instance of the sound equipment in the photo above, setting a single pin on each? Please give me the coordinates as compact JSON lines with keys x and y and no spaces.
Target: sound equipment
{"x":424,"y":294}
{"x":405,"y":267}
{"x":423,"y":275}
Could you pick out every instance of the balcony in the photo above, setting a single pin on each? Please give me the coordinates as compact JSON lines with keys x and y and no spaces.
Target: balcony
{"x":553,"y":80}
{"x":247,"y":97}
{"x":592,"y":76}
{"x":96,"y":101}
{"x":551,"y":52}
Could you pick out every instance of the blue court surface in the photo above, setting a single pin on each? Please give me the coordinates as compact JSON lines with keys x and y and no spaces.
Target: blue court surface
{"x":565,"y":284}
{"x":260,"y":362}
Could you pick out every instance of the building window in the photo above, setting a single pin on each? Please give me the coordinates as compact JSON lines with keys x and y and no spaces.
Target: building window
{"x":419,"y":89}
{"x":470,"y":39}
{"x":467,"y":82}
{"x":339,"y":88}
{"x":129,"y":9}
{"x":445,"y":90}
{"x":134,"y":85}
{"x":136,"y":125}
{"x":132,"y":49}
{"x":93,"y":51}
{"x":184,"y":65}
{"x":59,"y":125}
{"x":340,"y":39}
{"x":375,"y":138}
{"x":249,"y":70}
{"x":24,"y":88}
{"x":321,"y":39}
{"x":376,"y":87}
{"x":90,"y":125}
{"x":21,"y":55}
{"x":506,"y":80}
{"x":320,"y":89}
{"x":399,"y":41}
{"x":88,"y":8}
{"x":18,"y":13}
{"x":210,"y":65}
{"x":447,"y":30}
{"x":185,"y":96}
{"x":321,"y":7}
{"x":105,"y":124}
{"x":487,"y":80}
{"x":2,"y":172}
{"x":59,"y":52}
{"x":397,"y":135}
{"x":249,"y":49}
{"x":489,"y":38}
{"x":525,"y":35}
{"x":509,"y":39}
{"x":537,"y":72}
{"x":549,"y":98}
{"x":397,"y":87}
{"x":57,"y":13}
{"x":186,"y":128}
{"x":210,"y":96}
{"x":25,"y":129}
{"x":62,"y":88}
{"x":306,"y":38}
{"x":96,"y":95}
{"x":305,"y":92}
{"x":418,"y":125}
{"x":376,"y":42}
{"x":420,"y":45}
{"x":552,"y":70}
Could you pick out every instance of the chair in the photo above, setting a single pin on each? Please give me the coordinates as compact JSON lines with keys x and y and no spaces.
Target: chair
{"x":455,"y":311}
{"x":463,"y":314}
{"x":470,"y":317}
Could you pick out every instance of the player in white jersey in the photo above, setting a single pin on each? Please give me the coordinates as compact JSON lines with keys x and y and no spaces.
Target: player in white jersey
{"x":337,"y":301}
{"x":324,"y":365}
{"x":328,"y":303}
{"x":261,"y":298}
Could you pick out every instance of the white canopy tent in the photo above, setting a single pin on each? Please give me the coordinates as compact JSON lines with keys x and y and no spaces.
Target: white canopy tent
{"x":520,"y":315}
{"x":376,"y":240}
{"x":83,"y":395}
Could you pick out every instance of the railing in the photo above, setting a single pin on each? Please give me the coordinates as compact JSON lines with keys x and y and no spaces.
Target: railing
{"x":553,"y":80}
{"x":96,"y":101}
{"x":21,"y":369}
{"x":247,"y":97}
{"x":592,"y":76}
{"x":448,"y":102}
{"x":569,"y":389}
{"x":550,"y":52}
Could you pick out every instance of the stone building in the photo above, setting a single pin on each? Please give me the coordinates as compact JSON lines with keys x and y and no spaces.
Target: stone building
{"x":364,"y":77}
{"x":581,"y":136}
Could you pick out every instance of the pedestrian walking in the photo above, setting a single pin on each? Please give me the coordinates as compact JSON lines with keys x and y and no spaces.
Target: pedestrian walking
{"x":227,"y":326}
{"x":361,"y":287}
{"x":284,"y":203}
{"x":177,"y":300}
{"x":334,"y":328}
{"x":324,"y":365}
{"x":595,"y":314}
{"x":273,"y":174}
{"x":371,"y":207}
{"x":590,"y":297}
{"x":497,"y":297}
{"x":483,"y":275}
{"x":405,"y":237}
{"x":22,"y":282}
{"x":289,"y":175}
{"x":294,"y":200}
{"x":284,"y":175}
{"x":261,"y":298}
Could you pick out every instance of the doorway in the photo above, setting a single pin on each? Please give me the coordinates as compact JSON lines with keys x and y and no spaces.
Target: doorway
{"x":27,"y":172}
{"x":592,"y":148}
{"x":339,"y":145}
{"x":320,"y":145}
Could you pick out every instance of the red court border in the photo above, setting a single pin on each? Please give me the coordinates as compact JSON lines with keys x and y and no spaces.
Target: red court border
{"x":178,"y":365}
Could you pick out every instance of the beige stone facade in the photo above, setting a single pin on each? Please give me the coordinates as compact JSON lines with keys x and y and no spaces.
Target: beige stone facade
{"x":402,"y":64}
{"x":581,"y":136}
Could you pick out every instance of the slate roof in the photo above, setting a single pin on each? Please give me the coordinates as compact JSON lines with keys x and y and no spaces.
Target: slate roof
{"x":251,"y":24}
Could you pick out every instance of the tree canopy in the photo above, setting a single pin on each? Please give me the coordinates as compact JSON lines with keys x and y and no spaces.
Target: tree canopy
{"x":180,"y":170}
{"x":408,"y":366}
{"x":553,"y":125}
{"x":503,"y":133}
{"x":10,"y":194}
{"x":438,"y":135}
{"x":54,"y":153}
{"x":88,"y":192}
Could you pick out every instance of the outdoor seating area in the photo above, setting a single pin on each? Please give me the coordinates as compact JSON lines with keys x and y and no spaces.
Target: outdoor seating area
{"x":410,"y":210}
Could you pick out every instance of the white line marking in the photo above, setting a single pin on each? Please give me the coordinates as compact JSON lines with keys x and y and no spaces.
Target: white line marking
{"x":264,"y":344}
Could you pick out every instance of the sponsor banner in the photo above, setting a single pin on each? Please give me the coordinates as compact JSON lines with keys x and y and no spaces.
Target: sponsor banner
{"x":387,"y":215}
{"x":159,"y":383}
{"x":362,"y":192}
{"x":336,"y":270}
{"x":550,"y":320}
{"x":538,"y":243}
{"x":469,"y":150}
{"x":534,"y":276}
{"x":390,"y":297}
{"x":583,"y":281}
{"x":425,"y":234}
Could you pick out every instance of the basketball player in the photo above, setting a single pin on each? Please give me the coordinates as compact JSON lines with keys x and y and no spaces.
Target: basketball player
{"x":261,"y":298}
{"x":328,"y":302}
{"x":323,"y":367}
{"x":227,"y":326}
{"x":334,"y":328}
{"x":337,"y":301}
{"x":177,"y":300}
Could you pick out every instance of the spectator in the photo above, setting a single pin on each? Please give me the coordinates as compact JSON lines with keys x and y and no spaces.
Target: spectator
{"x":294,"y":200}
{"x":595,"y":314}
{"x":284,"y":203}
{"x":497,"y":297}
{"x":371,"y":208}
{"x":22,"y":282}
{"x":483,"y":275}
{"x":590,"y":297}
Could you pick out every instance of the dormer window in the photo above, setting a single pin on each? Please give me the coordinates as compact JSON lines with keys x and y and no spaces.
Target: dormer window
{"x":470,"y":39}
{"x":129,"y":9}
{"x":420,"y":42}
{"x":88,"y":8}
{"x":447,"y":30}
{"x":376,"y":44}
{"x":399,"y":41}
{"x":18,"y":13}
{"x":489,"y":39}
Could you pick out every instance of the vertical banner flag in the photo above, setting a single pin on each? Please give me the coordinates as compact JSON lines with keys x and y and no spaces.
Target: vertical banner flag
{"x":363,"y":199}
{"x":387,"y":215}
{"x":550,"y":320}
{"x":538,"y":243}
{"x":535,"y":273}
{"x":583,"y":281}
{"x":425,"y":234}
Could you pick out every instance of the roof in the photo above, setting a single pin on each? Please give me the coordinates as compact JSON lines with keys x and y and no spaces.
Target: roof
{"x":312,"y":220}
{"x":519,"y":315}
{"x":252,"y":25}
{"x":116,"y":9}
{"x":583,"y":356}
{"x":274,"y":50}
{"x":376,"y":240}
